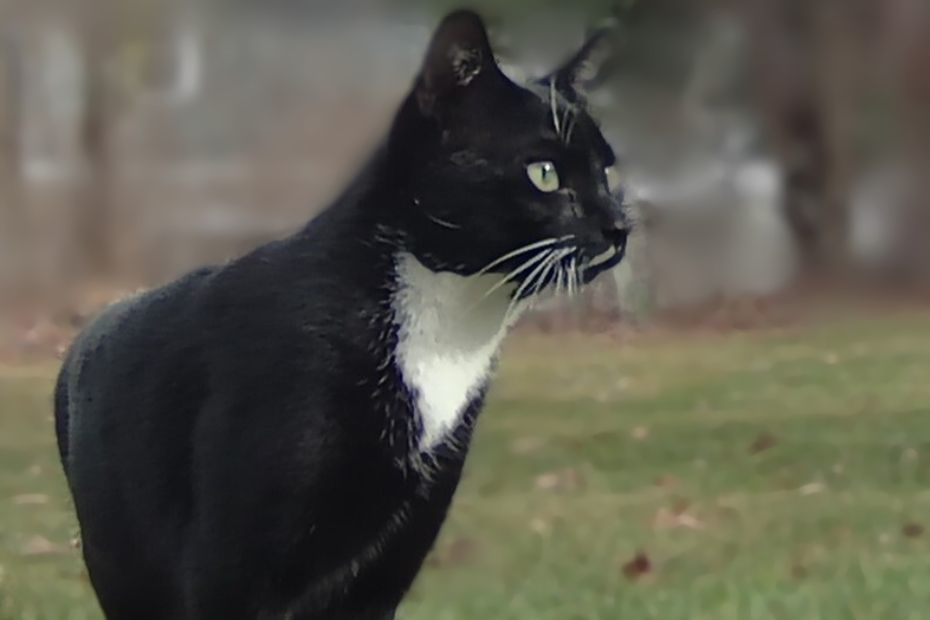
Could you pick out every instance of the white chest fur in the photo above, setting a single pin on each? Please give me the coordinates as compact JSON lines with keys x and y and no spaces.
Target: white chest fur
{"x":449,"y":333}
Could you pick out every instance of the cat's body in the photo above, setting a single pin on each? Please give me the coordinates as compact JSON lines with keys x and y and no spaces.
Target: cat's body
{"x":257,"y":377}
{"x":281,"y":436}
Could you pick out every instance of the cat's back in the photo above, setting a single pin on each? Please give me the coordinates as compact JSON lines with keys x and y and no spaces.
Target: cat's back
{"x":123,"y":361}
{"x":116,"y":341}
{"x":145,"y":367}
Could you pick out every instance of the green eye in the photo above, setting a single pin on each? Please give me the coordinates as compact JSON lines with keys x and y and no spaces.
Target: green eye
{"x":544,"y":176}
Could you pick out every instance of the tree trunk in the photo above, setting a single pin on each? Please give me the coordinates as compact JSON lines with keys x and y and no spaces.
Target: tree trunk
{"x":798,"y":50}
{"x":14,"y":224}
{"x":95,"y":229}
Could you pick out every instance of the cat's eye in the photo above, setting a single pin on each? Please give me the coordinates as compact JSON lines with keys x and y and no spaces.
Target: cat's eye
{"x":544,"y":176}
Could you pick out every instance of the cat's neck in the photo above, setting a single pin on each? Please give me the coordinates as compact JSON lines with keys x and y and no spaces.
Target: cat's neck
{"x":449,"y":330}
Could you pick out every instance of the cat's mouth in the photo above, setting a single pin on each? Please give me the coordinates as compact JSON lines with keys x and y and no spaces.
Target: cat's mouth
{"x":607,"y":259}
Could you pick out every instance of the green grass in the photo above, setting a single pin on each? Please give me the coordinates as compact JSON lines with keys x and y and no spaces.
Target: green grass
{"x":800,"y":460}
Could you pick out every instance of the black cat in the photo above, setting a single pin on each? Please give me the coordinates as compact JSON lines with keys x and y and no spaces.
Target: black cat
{"x":281,"y":436}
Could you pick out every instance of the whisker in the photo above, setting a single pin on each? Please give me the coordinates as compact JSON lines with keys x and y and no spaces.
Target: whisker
{"x":521,"y":250}
{"x":570,"y":279}
{"x":544,"y":276}
{"x":554,"y":106}
{"x":442,"y":222}
{"x":524,"y":265}
{"x":555,"y":263}
{"x":551,"y":257}
{"x":575,"y":275}
{"x":571,"y":129}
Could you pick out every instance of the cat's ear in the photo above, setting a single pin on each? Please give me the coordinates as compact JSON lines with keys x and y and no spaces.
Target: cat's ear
{"x":459,"y":58}
{"x":574,"y":77}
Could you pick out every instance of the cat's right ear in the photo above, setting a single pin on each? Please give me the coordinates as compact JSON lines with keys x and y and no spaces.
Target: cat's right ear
{"x":459,"y":58}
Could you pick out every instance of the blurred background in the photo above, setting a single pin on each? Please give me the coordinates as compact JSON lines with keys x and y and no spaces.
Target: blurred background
{"x":764,"y":142}
{"x":776,"y":156}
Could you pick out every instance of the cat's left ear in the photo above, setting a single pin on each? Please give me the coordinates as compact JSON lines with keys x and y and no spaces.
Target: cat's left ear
{"x":459,"y":59}
{"x":574,"y":77}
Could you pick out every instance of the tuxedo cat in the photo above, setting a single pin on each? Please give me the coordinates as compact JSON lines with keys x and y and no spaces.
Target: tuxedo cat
{"x":281,"y":436}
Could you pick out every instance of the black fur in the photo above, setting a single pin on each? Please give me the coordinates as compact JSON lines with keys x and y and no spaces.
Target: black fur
{"x":239,"y":443}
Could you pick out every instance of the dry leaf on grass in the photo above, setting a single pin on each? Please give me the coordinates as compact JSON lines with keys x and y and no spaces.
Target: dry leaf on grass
{"x":525,"y":445}
{"x":912,"y":530}
{"x":813,"y":488}
{"x":30,"y":499}
{"x":762,"y":443}
{"x":539,"y":526}
{"x":566,"y":480}
{"x":639,"y":566}
{"x":666,"y":481}
{"x":456,"y":553}
{"x":39,"y":545}
{"x":666,"y":519}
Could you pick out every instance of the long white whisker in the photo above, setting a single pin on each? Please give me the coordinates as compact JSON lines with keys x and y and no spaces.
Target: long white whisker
{"x":509,"y":277}
{"x":544,"y":277}
{"x":575,"y":276}
{"x":521,"y":250}
{"x":553,"y":105}
{"x":551,"y":257}
{"x":555,"y":263}
{"x":570,"y":280}
{"x":441,"y":222}
{"x":571,"y":129}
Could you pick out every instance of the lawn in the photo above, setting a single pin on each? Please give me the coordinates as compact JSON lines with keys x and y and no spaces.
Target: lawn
{"x":771,"y":475}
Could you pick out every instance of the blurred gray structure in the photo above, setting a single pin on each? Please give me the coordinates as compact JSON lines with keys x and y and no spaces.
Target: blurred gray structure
{"x":229,"y":123}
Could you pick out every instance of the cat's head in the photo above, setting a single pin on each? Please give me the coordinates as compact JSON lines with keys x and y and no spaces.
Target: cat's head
{"x":502,"y":177}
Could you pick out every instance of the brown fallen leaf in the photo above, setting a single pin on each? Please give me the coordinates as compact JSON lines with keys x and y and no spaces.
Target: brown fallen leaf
{"x":665,"y":519}
{"x":30,"y":499}
{"x":460,"y":551}
{"x":681,"y":506}
{"x":762,"y":443}
{"x":565,"y":480}
{"x":455,"y":553}
{"x":526,"y":445}
{"x":813,"y":488}
{"x":39,"y":545}
{"x":666,"y":481}
{"x":913,"y":530}
{"x":637,"y":567}
{"x":539,"y":526}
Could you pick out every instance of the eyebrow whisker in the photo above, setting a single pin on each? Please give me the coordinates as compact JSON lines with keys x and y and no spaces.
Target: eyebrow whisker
{"x":554,"y":105}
